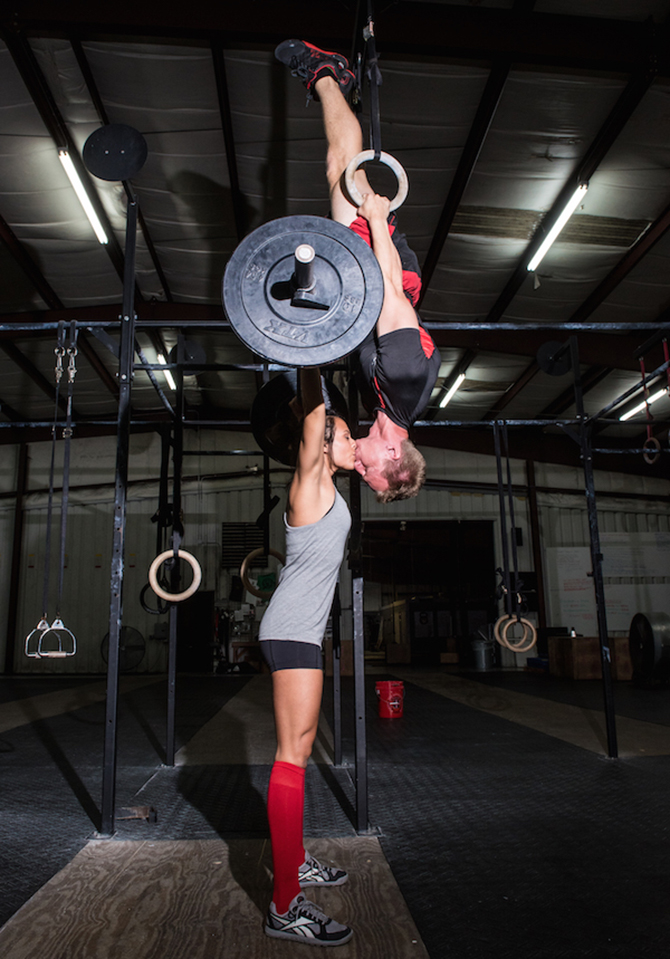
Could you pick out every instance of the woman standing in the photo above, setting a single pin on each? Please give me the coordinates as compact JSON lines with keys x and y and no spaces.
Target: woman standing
{"x":317,"y":524}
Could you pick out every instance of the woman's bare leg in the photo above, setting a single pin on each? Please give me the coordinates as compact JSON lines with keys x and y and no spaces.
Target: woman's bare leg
{"x":297,"y":702}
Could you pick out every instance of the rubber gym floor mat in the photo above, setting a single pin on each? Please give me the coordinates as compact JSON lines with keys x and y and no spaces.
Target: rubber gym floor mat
{"x":633,"y":702}
{"x":51,"y":774}
{"x":202,"y":802}
{"x":508,"y":843}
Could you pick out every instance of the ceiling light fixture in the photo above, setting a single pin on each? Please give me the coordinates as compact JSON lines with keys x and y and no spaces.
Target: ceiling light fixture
{"x":82,"y":195}
{"x":166,"y":373}
{"x":568,"y":210}
{"x":451,"y":391}
{"x":638,"y":409}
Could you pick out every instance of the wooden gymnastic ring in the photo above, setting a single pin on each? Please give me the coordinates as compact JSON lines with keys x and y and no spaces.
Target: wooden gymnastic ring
{"x":246,"y":562}
{"x":528,"y":630}
{"x":175,"y":597}
{"x":389,"y":161}
{"x":651,"y":444}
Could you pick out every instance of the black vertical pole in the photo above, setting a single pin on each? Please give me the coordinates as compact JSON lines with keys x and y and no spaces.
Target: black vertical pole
{"x":126,"y":358}
{"x":336,"y":613}
{"x":355,"y":558}
{"x":596,"y":555}
{"x":177,"y":533}
{"x":15,"y":575}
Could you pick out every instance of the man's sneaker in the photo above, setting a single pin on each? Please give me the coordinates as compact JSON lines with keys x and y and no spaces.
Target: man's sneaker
{"x":309,"y":63}
{"x":315,"y":873}
{"x":304,"y":922}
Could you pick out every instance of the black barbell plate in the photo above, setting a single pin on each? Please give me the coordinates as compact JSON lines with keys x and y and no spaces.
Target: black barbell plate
{"x":115,"y":152}
{"x":276,"y":427}
{"x":549,"y":361}
{"x":257,"y":292}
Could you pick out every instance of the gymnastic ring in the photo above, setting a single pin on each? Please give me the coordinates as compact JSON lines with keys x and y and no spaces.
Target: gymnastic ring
{"x":651,"y":444}
{"x":389,"y":161}
{"x":528,"y":630}
{"x":175,"y":597}
{"x":148,"y":609}
{"x":244,"y":576}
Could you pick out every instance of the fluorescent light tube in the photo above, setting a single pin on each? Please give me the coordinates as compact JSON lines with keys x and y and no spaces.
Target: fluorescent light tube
{"x":82,"y":195}
{"x":452,"y":389}
{"x":166,"y":373}
{"x":641,"y":406}
{"x":569,"y":209}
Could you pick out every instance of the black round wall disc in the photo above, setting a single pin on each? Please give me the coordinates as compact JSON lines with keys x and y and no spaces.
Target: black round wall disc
{"x":115,"y":152}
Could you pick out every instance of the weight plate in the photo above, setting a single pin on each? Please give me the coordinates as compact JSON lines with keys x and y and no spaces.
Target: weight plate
{"x":548,"y":363}
{"x":276,"y":427}
{"x":257,"y":291}
{"x":115,"y":152}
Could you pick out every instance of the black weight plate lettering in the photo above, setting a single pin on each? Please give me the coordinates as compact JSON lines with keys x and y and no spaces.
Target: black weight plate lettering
{"x":257,"y":291}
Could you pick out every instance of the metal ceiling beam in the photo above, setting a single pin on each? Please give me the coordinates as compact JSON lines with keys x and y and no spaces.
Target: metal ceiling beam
{"x":625,"y":106}
{"x":514,"y":390}
{"x":9,"y":411}
{"x":616,"y":351}
{"x":31,"y":371}
{"x":424,"y":28}
{"x":639,"y":249}
{"x":28,"y":265}
{"x":563,"y":402}
{"x":53,"y":120}
{"x":237,"y":197}
{"x":478,"y":132}
{"x":535,"y":444}
{"x":94,"y":94}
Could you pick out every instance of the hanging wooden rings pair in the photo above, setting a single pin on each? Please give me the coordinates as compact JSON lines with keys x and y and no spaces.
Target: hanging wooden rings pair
{"x":521,"y":645}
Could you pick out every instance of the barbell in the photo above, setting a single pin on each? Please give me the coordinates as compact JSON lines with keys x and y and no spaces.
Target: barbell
{"x":303,"y":290}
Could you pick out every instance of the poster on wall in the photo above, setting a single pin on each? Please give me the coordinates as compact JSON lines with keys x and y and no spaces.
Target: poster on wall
{"x":642,"y":559}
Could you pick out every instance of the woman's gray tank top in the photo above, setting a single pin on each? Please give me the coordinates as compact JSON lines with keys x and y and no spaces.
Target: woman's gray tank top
{"x":300,"y":605}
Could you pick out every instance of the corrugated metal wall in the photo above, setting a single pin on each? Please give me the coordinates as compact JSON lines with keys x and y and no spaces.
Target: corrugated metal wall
{"x":209,"y":501}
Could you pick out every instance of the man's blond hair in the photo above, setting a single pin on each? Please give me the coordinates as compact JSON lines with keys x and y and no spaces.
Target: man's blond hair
{"x":405,"y":476}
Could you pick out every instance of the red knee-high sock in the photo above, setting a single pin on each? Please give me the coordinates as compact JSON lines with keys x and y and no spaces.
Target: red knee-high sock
{"x":286,"y":800}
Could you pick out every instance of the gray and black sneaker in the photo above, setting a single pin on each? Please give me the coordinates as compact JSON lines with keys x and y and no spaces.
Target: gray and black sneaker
{"x":315,"y":873}
{"x":304,"y":922}
{"x":309,"y":63}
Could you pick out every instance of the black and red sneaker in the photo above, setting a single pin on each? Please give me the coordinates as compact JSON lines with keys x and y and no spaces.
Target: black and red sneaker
{"x":309,"y":63}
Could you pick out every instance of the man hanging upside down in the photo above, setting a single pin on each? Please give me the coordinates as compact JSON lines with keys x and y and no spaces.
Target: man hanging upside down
{"x":399,"y":362}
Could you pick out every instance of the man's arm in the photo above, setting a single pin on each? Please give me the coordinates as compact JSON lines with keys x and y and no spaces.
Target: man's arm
{"x":397,"y":311}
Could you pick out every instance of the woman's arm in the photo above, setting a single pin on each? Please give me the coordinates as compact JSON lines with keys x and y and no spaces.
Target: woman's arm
{"x":307,"y":494}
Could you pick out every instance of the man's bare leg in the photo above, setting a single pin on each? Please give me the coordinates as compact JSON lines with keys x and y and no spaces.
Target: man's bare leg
{"x":345,"y":141}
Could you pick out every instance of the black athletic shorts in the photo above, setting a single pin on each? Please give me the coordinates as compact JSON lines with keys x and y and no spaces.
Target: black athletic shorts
{"x":287,"y":654}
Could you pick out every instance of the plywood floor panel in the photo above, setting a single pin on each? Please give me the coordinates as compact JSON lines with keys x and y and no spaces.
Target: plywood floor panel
{"x":201,"y":900}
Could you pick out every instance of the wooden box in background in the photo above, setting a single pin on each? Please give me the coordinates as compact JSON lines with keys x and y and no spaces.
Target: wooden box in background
{"x":578,"y":657}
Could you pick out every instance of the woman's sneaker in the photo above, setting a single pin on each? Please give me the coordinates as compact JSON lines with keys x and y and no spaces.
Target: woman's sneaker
{"x":309,"y":63}
{"x":304,"y":922}
{"x":315,"y":873}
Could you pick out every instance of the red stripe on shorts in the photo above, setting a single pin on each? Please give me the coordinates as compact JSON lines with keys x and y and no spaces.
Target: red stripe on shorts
{"x":426,"y":342}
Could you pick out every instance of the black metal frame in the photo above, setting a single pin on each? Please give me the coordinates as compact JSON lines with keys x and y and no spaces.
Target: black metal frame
{"x":580,"y":428}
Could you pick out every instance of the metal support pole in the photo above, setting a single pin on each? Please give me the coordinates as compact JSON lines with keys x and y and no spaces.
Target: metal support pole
{"x":177,"y":533}
{"x":172,"y":685}
{"x":126,"y":358}
{"x":14,"y":581}
{"x":537,"y":544}
{"x":337,"y":678}
{"x":596,"y":556}
{"x":355,"y":552}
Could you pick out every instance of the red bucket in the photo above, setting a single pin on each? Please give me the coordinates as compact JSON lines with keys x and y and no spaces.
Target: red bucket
{"x":391,"y":695}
